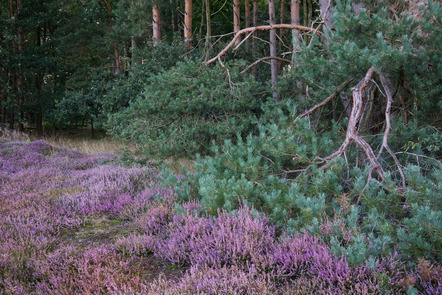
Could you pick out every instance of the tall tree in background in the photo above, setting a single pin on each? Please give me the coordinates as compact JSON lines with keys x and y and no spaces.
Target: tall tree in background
{"x":273,"y":62}
{"x":117,"y":69}
{"x":156,"y":21}
{"x":208,"y":30}
{"x":236,"y":19}
{"x":188,"y":23}
{"x":255,"y":34}
{"x":20,"y":76}
{"x":294,"y":19}
{"x":248,"y":17}
{"x":281,"y":20}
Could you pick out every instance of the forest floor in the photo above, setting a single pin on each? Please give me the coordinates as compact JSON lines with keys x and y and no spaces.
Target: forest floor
{"x":78,"y":223}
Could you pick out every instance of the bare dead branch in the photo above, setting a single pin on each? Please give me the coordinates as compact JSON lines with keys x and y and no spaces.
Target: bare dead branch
{"x":264,"y":59}
{"x":352,"y":130}
{"x":387,"y":129}
{"x":258,"y":28}
{"x":325,"y":101}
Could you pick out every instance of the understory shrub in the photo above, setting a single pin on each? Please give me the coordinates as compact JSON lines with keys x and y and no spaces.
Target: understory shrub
{"x":275,"y":172}
{"x":181,"y":110}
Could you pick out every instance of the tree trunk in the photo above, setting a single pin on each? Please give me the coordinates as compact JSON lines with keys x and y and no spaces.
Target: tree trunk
{"x":208,"y":30}
{"x":305,"y":17}
{"x":188,"y":23}
{"x":20,"y":79}
{"x":326,"y":7}
{"x":236,"y":18}
{"x":38,"y":85}
{"x":255,"y":34}
{"x":281,"y":19}
{"x":156,"y":19}
{"x":117,"y":69}
{"x":247,"y":13}
{"x":273,"y":62}
{"x":294,"y":16}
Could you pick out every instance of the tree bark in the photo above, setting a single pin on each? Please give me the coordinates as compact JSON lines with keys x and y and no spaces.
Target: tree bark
{"x":305,"y":17}
{"x":248,"y":17}
{"x":117,"y":69}
{"x":20,"y":79}
{"x":156,"y":19}
{"x":188,"y":23}
{"x":295,"y":20}
{"x":273,"y":62}
{"x":207,"y":45}
{"x":255,"y":34}
{"x":326,"y":7}
{"x":259,"y":28}
{"x":281,"y":19}
{"x":236,"y":18}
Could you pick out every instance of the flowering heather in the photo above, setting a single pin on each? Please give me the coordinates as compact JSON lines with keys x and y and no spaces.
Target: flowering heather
{"x":52,"y":199}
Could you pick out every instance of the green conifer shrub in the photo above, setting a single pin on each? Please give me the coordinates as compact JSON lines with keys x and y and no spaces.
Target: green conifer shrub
{"x":272,"y":171}
{"x":181,"y":110}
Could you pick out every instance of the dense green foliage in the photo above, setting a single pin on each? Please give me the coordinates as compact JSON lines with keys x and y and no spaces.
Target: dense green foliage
{"x":249,"y":149}
{"x":181,"y":110}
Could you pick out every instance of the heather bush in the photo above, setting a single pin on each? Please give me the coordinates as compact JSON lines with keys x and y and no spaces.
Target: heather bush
{"x":345,"y":249}
{"x":274,"y":172}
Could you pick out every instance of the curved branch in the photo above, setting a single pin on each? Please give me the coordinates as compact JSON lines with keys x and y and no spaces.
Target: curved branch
{"x":259,"y":28}
{"x":264,"y":59}
{"x":387,"y":129}
{"x":325,"y":101}
{"x":352,"y":128}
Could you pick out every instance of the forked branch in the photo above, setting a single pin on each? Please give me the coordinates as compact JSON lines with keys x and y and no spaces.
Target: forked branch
{"x":352,"y":128}
{"x":259,"y":28}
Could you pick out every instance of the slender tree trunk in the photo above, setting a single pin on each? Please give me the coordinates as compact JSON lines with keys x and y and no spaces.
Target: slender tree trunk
{"x":247,"y":13}
{"x":273,"y":62}
{"x":11,"y":76}
{"x":295,"y":20}
{"x":310,"y":12}
{"x":188,"y":23}
{"x":20,"y":80}
{"x":156,"y":19}
{"x":326,"y":7}
{"x":305,"y":17}
{"x":117,"y":69}
{"x":208,"y":30}
{"x":92,"y":128}
{"x":255,"y":34}
{"x":236,"y":18}
{"x":281,"y":19}
{"x":38,"y":85}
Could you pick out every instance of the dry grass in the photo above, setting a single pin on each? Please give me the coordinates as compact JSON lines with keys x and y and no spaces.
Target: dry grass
{"x":176,"y":164}
{"x":81,"y":141}
{"x":88,"y":145}
{"x":12,"y":135}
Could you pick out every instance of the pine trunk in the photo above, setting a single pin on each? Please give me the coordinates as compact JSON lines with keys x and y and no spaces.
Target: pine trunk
{"x":247,"y":13}
{"x":20,"y":79}
{"x":188,"y":23}
{"x":255,"y":34}
{"x":294,"y":16}
{"x":273,"y":62}
{"x":117,"y":69}
{"x":236,"y":18}
{"x":281,"y":19}
{"x":156,"y":22}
